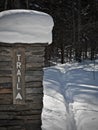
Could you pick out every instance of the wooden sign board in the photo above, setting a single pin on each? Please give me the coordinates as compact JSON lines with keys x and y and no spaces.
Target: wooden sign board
{"x":18,"y":75}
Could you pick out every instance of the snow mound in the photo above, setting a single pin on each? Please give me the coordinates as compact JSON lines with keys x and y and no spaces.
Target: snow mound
{"x":25,"y":26}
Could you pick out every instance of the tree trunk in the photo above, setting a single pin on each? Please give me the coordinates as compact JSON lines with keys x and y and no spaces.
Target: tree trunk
{"x":74,"y":27}
{"x":62,"y":53}
{"x":27,"y":4}
{"x":5,"y":4}
{"x":79,"y":48}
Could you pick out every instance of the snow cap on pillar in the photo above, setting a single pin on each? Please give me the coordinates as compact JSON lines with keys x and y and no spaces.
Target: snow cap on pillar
{"x":25,"y":26}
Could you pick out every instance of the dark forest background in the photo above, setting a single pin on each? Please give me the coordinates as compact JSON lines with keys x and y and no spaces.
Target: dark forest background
{"x":75,"y":34}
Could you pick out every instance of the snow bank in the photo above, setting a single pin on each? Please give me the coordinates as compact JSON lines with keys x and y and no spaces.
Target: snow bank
{"x":25,"y":26}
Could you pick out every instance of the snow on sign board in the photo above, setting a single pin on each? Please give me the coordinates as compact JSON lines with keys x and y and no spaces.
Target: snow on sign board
{"x":25,"y":26}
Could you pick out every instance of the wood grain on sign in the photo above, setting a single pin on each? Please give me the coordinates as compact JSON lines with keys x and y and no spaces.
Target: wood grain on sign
{"x":18,"y":75}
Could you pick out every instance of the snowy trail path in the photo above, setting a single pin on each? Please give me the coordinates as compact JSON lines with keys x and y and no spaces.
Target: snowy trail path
{"x":62,"y":80}
{"x":81,"y":94}
{"x":56,"y":82}
{"x":70,"y":98}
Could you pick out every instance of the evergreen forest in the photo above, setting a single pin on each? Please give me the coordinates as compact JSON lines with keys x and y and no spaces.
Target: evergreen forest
{"x":75,"y":32}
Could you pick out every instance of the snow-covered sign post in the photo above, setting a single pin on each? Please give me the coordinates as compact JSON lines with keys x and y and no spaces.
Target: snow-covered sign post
{"x":24,"y":34}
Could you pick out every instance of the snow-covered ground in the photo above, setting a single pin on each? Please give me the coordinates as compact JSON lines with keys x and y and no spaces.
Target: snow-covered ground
{"x":71,"y":97}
